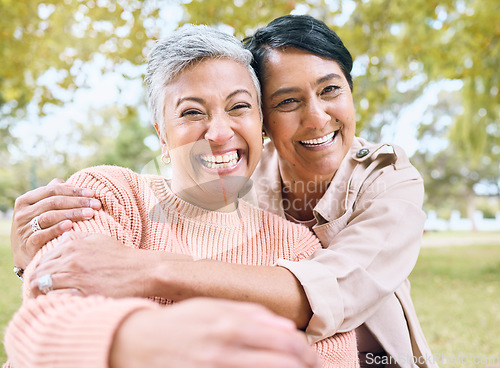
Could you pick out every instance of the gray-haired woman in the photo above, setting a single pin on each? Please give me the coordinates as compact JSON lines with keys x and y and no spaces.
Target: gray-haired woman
{"x":205,"y":100}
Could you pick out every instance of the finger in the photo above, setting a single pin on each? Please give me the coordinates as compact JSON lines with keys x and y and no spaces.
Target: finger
{"x":61,"y":283}
{"x":71,"y":291}
{"x":48,"y":266}
{"x":49,"y":262}
{"x":62,"y":203}
{"x":47,"y":191}
{"x":38,"y":239}
{"x":54,"y":217}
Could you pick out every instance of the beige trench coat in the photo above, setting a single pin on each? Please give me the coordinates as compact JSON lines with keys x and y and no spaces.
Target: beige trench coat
{"x":370,"y":223}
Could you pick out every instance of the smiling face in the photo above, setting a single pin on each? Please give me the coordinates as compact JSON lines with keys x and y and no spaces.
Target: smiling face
{"x":213,"y":131}
{"x":308,"y":114}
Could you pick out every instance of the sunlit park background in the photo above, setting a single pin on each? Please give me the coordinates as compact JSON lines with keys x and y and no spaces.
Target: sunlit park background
{"x":426,"y":77}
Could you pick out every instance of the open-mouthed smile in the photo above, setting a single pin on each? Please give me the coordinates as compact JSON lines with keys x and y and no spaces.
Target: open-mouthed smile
{"x":321,"y":141}
{"x":223,"y":161}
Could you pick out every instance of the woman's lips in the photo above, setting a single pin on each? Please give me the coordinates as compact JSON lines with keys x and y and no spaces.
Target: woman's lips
{"x":321,"y":141}
{"x":220,"y":161}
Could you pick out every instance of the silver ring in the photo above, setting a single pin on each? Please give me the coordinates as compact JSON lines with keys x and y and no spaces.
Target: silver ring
{"x":35,"y":226}
{"x":45,"y":284}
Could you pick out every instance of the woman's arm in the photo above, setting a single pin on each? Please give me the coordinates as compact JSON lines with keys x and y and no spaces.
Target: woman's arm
{"x":121,"y":271}
{"x":209,"y":333}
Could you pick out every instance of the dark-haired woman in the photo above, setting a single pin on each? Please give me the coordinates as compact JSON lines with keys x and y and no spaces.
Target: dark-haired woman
{"x":362,"y":200}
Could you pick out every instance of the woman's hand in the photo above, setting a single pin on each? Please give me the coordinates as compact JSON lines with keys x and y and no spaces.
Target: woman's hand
{"x":202,"y":333}
{"x":95,"y":264}
{"x":58,"y":205}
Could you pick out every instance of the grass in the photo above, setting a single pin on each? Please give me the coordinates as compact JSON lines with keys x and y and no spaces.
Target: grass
{"x":456,"y":294}
{"x":455,"y":290}
{"x":11,"y":285}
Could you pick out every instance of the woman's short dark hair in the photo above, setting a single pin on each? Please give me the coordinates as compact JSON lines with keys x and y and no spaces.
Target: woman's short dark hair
{"x":302,"y":32}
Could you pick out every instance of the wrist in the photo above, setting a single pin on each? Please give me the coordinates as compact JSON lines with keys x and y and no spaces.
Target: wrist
{"x":127,"y":339}
{"x":166,"y":275}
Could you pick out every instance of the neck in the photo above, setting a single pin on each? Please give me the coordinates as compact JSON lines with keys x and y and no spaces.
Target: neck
{"x":210,"y":200}
{"x":301,"y":196}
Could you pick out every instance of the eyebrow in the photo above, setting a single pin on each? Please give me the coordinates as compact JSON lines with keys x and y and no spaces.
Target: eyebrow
{"x":201,"y":100}
{"x":232,"y":94}
{"x":195,"y":99}
{"x":323,"y":79}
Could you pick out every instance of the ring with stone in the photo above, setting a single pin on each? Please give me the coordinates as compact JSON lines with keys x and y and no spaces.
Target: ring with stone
{"x":35,"y":226}
{"x":45,"y":284}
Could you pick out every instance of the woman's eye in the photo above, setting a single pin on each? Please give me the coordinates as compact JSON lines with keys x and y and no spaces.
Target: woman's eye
{"x":190,"y":112}
{"x":286,"y":102}
{"x":287,"y":105}
{"x":330,"y":89}
{"x":241,"y":106}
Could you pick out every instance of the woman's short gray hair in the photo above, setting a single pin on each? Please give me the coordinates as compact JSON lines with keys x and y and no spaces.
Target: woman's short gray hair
{"x":182,"y":48}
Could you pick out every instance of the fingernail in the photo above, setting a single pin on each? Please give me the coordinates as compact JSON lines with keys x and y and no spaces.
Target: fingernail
{"x":88,"y":212}
{"x":95,"y":204}
{"x":66,"y":225}
{"x":87,"y":193}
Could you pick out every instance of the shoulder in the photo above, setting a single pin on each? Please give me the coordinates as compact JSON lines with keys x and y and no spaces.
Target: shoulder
{"x":381,"y":160}
{"x":115,"y":181}
{"x":363,"y":151}
{"x":383,"y":170}
{"x":105,"y":173}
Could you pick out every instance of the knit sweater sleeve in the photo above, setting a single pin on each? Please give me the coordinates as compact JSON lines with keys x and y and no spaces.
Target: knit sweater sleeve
{"x":304,"y":241}
{"x":339,"y":350}
{"x":119,"y":191}
{"x":60,"y":330}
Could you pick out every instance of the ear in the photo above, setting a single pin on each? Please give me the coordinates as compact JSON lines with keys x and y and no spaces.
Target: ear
{"x":164,"y":146}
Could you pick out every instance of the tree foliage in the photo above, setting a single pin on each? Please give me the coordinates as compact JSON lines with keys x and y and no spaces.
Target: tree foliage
{"x":37,"y":35}
{"x":400,"y":47}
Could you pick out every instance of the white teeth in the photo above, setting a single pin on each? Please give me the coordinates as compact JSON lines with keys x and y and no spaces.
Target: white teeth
{"x":220,"y":161}
{"x":318,"y":141}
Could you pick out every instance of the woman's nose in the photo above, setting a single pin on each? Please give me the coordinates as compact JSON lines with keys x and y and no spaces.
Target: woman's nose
{"x":315,"y":115}
{"x":219,"y":130}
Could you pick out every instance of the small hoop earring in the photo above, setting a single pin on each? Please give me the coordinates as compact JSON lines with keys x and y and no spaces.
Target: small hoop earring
{"x":165,"y":159}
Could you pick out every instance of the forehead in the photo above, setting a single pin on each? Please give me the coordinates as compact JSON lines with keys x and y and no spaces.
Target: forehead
{"x":221,"y":70}
{"x":281,"y":63}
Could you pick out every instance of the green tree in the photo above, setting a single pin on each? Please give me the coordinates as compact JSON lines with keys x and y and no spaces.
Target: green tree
{"x":37,"y":35}
{"x":400,"y":48}
{"x":128,"y":146}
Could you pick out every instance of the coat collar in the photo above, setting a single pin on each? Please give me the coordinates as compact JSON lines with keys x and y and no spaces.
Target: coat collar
{"x":336,"y":200}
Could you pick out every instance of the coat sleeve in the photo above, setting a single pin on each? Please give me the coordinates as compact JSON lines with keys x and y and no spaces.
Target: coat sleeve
{"x":370,"y":256}
{"x":61,"y":330}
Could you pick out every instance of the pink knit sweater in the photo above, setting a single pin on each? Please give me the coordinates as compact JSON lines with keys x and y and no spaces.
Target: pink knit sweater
{"x":141,"y":211}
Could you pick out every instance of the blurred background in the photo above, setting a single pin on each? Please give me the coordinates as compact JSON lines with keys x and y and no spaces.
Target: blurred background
{"x":425,"y":77}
